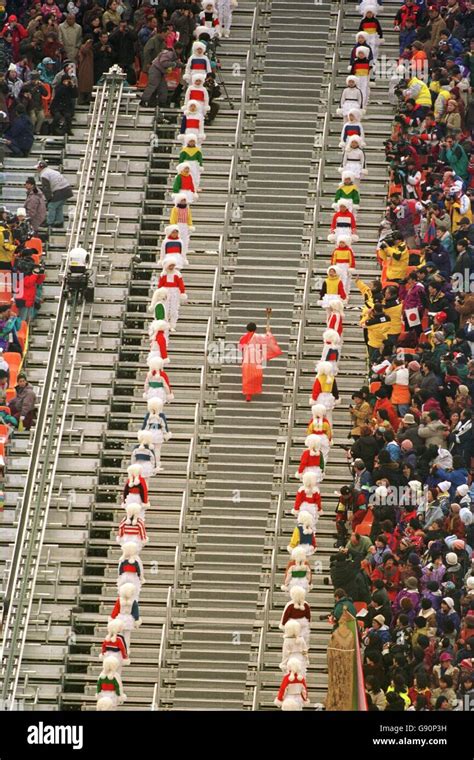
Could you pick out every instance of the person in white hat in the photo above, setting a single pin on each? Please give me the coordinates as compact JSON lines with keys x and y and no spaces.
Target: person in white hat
{"x":343,"y":257}
{"x":181,"y":218}
{"x":192,"y":121}
{"x":362,"y":68}
{"x":354,"y":158}
{"x":349,"y":190}
{"x":343,"y":223}
{"x":360,"y":39}
{"x":196,"y":91}
{"x":155,"y":421}
{"x":144,"y":454}
{"x":191,"y":153}
{"x":209,"y":16}
{"x":224,"y":9}
{"x":172,"y":245}
{"x":371,"y":26}
{"x":352,"y":126}
{"x":351,"y":97}
{"x":294,"y":645}
{"x":197,"y":61}
{"x":184,"y":182}
{"x":171,"y":279}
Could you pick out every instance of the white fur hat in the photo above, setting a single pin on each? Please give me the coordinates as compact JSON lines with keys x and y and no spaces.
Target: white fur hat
{"x":330,"y":336}
{"x":198,"y":75}
{"x":309,"y":478}
{"x":312,"y":442}
{"x":133,"y":510}
{"x":306,"y":519}
{"x":351,"y":78}
{"x":364,"y":34}
{"x":205,"y":4}
{"x":198,"y":46}
{"x":344,"y":202}
{"x":203,"y":30}
{"x":134,"y":471}
{"x":155,"y":363}
{"x":191,"y":135}
{"x":292,"y":629}
{"x":157,"y":326}
{"x":183,"y":165}
{"x":319,"y":410}
{"x":109,"y":667}
{"x":145,"y":437}
{"x":190,"y":103}
{"x":129,"y":550}
{"x":179,"y":198}
{"x":346,"y":174}
{"x":155,"y":405}
{"x":298,"y":555}
{"x":346,"y":239}
{"x":295,"y":667}
{"x":336,"y":269}
{"x":298,"y":594}
{"x":337,"y":306}
{"x":363,"y":49}
{"x":128,"y":591}
{"x":324,"y":368}
{"x":356,"y":112}
{"x":171,"y":228}
{"x":371,"y":8}
{"x":169,"y":259}
{"x":353,"y":138}
{"x":21,"y":212}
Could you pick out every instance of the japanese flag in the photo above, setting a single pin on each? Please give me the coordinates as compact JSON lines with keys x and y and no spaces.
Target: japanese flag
{"x":413,"y":317}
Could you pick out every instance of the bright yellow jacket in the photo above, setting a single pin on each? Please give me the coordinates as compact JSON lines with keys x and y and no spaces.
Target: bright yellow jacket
{"x":424,"y":97}
{"x":395,"y":314}
{"x":397,"y":258}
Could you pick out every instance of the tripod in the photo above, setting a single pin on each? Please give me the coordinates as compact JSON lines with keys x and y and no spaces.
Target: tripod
{"x":220,"y":80}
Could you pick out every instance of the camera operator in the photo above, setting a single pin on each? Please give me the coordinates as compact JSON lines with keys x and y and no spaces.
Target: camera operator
{"x":214,"y":92}
{"x":28,"y":304}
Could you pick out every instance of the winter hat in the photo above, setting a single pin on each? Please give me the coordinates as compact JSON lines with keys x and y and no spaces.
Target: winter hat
{"x":445,"y":657}
{"x":171,"y":228}
{"x":346,"y":174}
{"x":414,"y":560}
{"x":451,"y":559}
{"x":191,"y":135}
{"x":12,"y":67}
{"x":466,"y":516}
{"x":199,"y":48}
{"x":181,"y":167}
{"x":312,"y":442}
{"x":470,"y":583}
{"x":206,"y":3}
{"x":463,"y":390}
{"x":355,"y":112}
{"x":191,"y":103}
{"x":414,"y":366}
{"x":407,"y":445}
{"x":169,"y":260}
{"x":21,"y":212}
{"x":344,"y":202}
{"x":361,"y":34}
{"x":363,"y":49}
{"x":179,"y":198}
{"x":408,"y":418}
{"x":462,"y":490}
{"x":351,"y":78}
{"x":411,"y":584}
{"x":198,"y":75}
{"x":445,"y":485}
{"x":380,"y":619}
{"x":353,"y":138}
{"x":449,"y":601}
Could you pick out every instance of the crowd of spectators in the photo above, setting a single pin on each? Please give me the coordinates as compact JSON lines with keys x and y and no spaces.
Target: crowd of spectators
{"x":406,"y":522}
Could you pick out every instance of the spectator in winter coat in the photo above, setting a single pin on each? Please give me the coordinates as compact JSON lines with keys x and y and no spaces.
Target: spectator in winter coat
{"x":31,"y":97}
{"x":23,"y":405}
{"x":57,"y":190}
{"x":62,"y":106}
{"x":157,"y":87}
{"x":70,"y":36}
{"x":103,"y":56}
{"x":35,"y":204}
{"x":19,"y":137}
{"x":123,"y":43}
{"x":432,"y":430}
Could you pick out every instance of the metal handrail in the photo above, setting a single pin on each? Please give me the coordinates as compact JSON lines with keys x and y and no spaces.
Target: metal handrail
{"x":261,"y":648}
{"x":162,"y":652}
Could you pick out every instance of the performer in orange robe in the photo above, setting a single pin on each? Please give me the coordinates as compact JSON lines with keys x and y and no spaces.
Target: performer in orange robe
{"x":255,"y":350}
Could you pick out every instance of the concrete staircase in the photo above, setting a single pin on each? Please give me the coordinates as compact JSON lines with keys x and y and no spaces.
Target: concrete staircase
{"x":352,"y":366}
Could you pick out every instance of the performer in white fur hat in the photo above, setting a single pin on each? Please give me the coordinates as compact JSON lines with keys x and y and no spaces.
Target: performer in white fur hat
{"x":321,"y":427}
{"x":114,"y":644}
{"x":197,"y":61}
{"x":368,"y":3}
{"x":325,"y":390}
{"x":332,"y":288}
{"x":132,"y":527}
{"x":311,"y":459}
{"x":331,"y":348}
{"x":136,"y":489}
{"x":371,"y":26}
{"x":144,"y":454}
{"x":192,"y":121}
{"x":352,"y":126}
{"x":303,"y":534}
{"x":158,"y":332}
{"x":130,"y":567}
{"x":181,"y":216}
{"x":224,"y":9}
{"x":293,"y":692}
{"x":343,"y":223}
{"x":197,"y":92}
{"x":172,"y":245}
{"x":192,"y":153}
{"x":171,"y":279}
{"x":361,"y":68}
{"x":109,"y":692}
{"x":308,"y":496}
{"x":348,"y":189}
{"x":360,"y":40}
{"x":335,"y":317}
{"x":351,"y":96}
{"x":343,"y":257}
{"x":354,"y":158}
{"x":157,"y":383}
{"x":158,"y":303}
{"x":126,"y":610}
{"x":294,"y":646}
{"x":184,"y":182}
{"x":156,"y":423}
{"x":298,"y":580}
{"x":209,"y":16}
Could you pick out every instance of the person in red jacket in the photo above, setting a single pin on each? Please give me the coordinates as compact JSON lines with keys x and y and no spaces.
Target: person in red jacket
{"x":18,"y":33}
{"x":26,"y":304}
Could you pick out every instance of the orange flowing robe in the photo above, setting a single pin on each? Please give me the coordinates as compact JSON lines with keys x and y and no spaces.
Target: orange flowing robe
{"x":256,"y":351}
